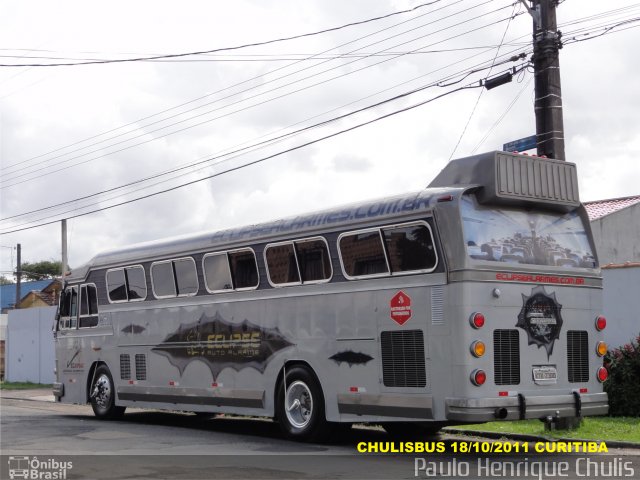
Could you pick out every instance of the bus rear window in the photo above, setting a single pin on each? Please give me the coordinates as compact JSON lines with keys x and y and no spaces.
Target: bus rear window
{"x":531,"y":237}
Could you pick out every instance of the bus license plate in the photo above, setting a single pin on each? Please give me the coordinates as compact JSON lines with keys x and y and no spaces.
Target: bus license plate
{"x":545,"y":375}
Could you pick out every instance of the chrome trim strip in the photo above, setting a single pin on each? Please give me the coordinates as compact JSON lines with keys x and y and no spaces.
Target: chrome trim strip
{"x":194,"y":396}
{"x":417,"y":406}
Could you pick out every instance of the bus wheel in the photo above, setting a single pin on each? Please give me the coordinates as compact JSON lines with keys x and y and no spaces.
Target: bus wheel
{"x":103,"y":395}
{"x":412,"y":429}
{"x":300,"y":407}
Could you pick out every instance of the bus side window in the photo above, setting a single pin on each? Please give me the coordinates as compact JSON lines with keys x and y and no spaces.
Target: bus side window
{"x":73,"y":308}
{"x":313,"y":260}
{"x":186,"y":276}
{"x":363,"y":254}
{"x":116,"y":285}
{"x":162,"y":279}
{"x":244,"y":269}
{"x":410,"y":248}
{"x":88,"y":306}
{"x":217,"y":273}
{"x":136,"y":283}
{"x":281,"y":264}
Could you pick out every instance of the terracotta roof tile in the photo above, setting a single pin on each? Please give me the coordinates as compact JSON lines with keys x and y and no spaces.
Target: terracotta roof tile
{"x":600,"y":208}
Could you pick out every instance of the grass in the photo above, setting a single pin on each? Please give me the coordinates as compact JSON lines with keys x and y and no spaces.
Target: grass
{"x":22,"y":385}
{"x":622,"y":429}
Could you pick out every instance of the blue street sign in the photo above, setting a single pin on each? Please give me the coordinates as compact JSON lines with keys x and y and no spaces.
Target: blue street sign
{"x":520,"y":145}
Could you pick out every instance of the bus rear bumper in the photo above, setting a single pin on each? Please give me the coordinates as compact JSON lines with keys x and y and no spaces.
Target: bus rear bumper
{"x":521,"y":407}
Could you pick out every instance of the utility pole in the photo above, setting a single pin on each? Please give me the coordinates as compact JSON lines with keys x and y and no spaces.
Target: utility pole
{"x":18,"y":275}
{"x":546,"y":64}
{"x":64,"y":248}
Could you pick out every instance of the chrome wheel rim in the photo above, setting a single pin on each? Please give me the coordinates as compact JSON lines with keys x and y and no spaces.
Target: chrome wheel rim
{"x":102,"y":391}
{"x":298,"y":404}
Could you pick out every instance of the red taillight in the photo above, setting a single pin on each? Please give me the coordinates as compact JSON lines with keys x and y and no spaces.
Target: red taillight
{"x":603,"y":374}
{"x":478,"y":377}
{"x":601,"y":323}
{"x":477,"y":320}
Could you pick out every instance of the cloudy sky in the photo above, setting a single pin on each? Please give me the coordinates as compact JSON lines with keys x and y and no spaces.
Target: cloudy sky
{"x":69,"y":132}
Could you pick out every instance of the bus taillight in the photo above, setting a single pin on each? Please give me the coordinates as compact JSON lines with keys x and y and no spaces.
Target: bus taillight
{"x":478,"y":377}
{"x":601,"y":323}
{"x":477,"y":320}
{"x":603,"y":374}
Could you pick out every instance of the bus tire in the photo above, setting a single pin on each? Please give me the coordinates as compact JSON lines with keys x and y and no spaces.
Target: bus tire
{"x":103,"y":395}
{"x":411,"y":430}
{"x":300,"y":410}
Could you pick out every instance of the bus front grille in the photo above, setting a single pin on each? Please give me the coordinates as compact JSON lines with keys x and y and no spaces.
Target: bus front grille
{"x":506,"y":357}
{"x":403,"y":361}
{"x":125,"y":367}
{"x":578,"y":355}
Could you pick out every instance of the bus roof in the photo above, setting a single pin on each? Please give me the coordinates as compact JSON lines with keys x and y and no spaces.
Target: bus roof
{"x":295,"y":226}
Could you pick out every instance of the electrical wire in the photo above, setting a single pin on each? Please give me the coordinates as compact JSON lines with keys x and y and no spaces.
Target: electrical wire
{"x":42,"y":174}
{"x":136,"y":122}
{"x":508,"y":57}
{"x":323,"y":123}
{"x":254,"y":162}
{"x":224,"y":49}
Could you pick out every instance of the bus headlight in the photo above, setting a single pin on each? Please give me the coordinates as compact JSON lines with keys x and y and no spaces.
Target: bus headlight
{"x":478,"y":348}
{"x":601,"y":349}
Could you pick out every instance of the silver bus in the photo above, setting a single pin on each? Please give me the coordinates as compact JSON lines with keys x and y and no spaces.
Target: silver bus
{"x":475,"y":299}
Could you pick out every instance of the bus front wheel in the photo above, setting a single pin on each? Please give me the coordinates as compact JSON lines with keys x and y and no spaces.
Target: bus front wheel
{"x":300,"y":406}
{"x":103,"y":395}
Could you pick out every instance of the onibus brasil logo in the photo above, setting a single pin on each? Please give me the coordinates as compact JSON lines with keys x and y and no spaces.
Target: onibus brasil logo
{"x":35,"y":469}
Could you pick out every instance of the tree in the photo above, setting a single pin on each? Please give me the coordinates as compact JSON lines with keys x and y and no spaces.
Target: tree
{"x":41,"y":270}
{"x":5,"y":281}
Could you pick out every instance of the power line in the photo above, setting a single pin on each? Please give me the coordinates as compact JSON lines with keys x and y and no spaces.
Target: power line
{"x":254,"y":162}
{"x":223,"y":49}
{"x":482,"y":90}
{"x":42,"y":174}
{"x":235,"y":85}
{"x":509,"y":57}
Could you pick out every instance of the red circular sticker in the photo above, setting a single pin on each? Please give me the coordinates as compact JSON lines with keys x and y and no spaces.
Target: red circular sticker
{"x":400,"y":308}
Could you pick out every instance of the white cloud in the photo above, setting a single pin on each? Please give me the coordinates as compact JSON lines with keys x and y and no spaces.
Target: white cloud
{"x":43,"y":109}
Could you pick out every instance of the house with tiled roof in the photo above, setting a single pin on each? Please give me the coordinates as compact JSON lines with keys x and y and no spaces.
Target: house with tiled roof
{"x":8,"y":292}
{"x":615,"y":223}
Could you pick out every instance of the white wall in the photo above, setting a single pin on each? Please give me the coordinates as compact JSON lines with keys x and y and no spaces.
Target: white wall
{"x":621,"y":298}
{"x":30,"y":353}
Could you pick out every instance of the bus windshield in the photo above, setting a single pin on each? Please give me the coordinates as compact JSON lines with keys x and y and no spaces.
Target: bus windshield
{"x":525,"y":236}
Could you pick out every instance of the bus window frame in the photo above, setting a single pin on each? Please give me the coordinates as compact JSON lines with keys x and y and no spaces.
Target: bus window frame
{"x":175,"y":276}
{"x":175,"y":279}
{"x":80,"y":316}
{"x":64,"y":322}
{"x":295,"y":253}
{"x":126,"y":284}
{"x":233,"y":284}
{"x":389,"y":272}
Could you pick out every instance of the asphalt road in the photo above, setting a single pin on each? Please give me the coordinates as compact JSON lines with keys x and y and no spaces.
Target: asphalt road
{"x":154,"y":444}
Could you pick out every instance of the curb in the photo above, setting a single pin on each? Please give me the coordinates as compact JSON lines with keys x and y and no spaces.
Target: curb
{"x":538,"y":438}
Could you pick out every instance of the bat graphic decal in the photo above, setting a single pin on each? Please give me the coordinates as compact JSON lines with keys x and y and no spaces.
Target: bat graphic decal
{"x":220,"y":344}
{"x":351,"y":358}
{"x":135,"y":329}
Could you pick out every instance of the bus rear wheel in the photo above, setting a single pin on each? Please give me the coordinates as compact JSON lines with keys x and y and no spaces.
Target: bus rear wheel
{"x":300,"y":406}
{"x":103,"y":395}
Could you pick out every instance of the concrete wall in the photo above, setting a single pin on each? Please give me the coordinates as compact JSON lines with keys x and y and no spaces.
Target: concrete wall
{"x":617,"y":236}
{"x":30,"y":355}
{"x":621,"y":297}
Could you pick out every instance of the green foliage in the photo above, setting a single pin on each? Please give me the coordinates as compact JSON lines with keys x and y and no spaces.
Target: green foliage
{"x":5,"y":281}
{"x":623,"y":384}
{"x":41,"y":270}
